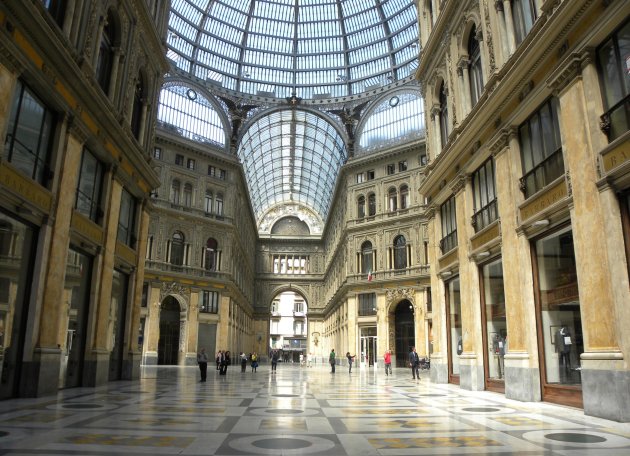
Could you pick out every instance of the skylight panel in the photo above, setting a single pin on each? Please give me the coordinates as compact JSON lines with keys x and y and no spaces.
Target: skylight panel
{"x":230,"y":16}
{"x":366,"y":36}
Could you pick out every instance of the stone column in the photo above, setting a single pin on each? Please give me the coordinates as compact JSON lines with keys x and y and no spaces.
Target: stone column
{"x":98,"y":371}
{"x":419,"y":307}
{"x":51,"y":334}
{"x":192,"y":321}
{"x":605,"y":374}
{"x":152,"y":329}
{"x":439,"y":358}
{"x":471,"y":360}
{"x":135,"y":356}
{"x":353,"y":336}
{"x":464,"y":78}
{"x":383,"y":328}
{"x":8,"y":82}
{"x":522,"y":373}
{"x":224,"y":323}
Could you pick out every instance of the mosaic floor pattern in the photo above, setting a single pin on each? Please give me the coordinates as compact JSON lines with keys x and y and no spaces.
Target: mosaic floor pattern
{"x":297,"y":411}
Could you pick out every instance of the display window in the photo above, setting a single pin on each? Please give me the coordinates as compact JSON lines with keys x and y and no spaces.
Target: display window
{"x":454,"y":328}
{"x":495,"y":324}
{"x":559,"y":319}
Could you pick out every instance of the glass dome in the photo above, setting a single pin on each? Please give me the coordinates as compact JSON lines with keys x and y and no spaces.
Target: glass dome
{"x":310,"y":49}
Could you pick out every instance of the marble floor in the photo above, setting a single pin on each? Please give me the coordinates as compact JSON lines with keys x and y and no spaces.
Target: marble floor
{"x":297,"y":411}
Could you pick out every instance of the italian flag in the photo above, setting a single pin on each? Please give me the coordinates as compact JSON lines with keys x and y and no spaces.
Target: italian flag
{"x":370,"y":276}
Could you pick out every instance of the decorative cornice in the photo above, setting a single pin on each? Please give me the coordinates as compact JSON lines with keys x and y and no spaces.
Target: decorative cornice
{"x":398,"y":294}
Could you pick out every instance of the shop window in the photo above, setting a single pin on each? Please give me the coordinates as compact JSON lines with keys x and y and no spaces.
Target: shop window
{"x":541,"y":149}
{"x":613,"y":60}
{"x":449,"y":226}
{"x":484,"y":196}
{"x":560,"y":320}
{"x":89,"y":185}
{"x":29,"y":135}
{"x":454,"y":327}
{"x":493,"y":301}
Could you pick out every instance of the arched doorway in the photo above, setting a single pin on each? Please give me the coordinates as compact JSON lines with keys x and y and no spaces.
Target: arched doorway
{"x":168,"y":344}
{"x":288,"y":326}
{"x":404,"y":331}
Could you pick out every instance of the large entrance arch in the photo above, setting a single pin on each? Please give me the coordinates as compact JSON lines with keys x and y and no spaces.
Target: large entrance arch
{"x":288,"y":326}
{"x":404,"y":331}
{"x":168,"y":343}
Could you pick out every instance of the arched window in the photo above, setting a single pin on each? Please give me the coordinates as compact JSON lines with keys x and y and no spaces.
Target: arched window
{"x":177,"y":248}
{"x":211,"y":255}
{"x":404,"y":197}
{"x":106,"y":54}
{"x":475,"y":72}
{"x":443,"y":115}
{"x":208,"y":202}
{"x":367,"y":258}
{"x":187,"y":195}
{"x":361,"y":207}
{"x":175,"y":191}
{"x":57,"y":9}
{"x":138,"y":103}
{"x":371,"y":204}
{"x":400,"y":252}
{"x":392,"y":200}
{"x":219,"y":203}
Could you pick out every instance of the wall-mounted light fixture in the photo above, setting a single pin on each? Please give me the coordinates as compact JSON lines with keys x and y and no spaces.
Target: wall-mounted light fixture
{"x":541,"y":223}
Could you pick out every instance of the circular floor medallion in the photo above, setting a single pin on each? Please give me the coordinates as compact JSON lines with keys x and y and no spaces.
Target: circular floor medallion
{"x":574,"y":437}
{"x":282,"y":444}
{"x":578,"y":439}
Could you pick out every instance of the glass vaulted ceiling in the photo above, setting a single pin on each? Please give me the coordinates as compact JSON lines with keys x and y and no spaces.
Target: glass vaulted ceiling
{"x":291,"y":157}
{"x":307,"y":48}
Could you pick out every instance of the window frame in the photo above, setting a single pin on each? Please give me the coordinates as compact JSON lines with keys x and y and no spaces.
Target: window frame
{"x":448,"y":219}
{"x":484,"y":196}
{"x":89,"y":187}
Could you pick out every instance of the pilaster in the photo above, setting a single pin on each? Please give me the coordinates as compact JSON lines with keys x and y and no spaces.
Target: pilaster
{"x":522,"y":375}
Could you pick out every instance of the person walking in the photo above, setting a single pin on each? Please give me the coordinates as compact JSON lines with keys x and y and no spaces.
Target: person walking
{"x":388,"y":362}
{"x":243,"y":359}
{"x":254,"y":361}
{"x":218,"y":359}
{"x":202,"y":360}
{"x":414,"y":363}
{"x":350,"y":361}
{"x":274,"y":360}
{"x":331,"y":360}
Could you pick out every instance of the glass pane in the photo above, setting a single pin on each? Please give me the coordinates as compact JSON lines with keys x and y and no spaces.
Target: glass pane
{"x":496,"y":326}
{"x":455,"y":324}
{"x":560,"y":316}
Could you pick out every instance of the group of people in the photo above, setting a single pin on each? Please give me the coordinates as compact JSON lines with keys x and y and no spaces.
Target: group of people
{"x":223,"y":359}
{"x":414,"y":362}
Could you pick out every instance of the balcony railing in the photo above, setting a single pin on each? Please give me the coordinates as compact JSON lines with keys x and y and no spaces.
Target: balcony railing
{"x":153,"y":265}
{"x":485,"y":216}
{"x":616,"y":121}
{"x":448,"y":242}
{"x":543,"y":174}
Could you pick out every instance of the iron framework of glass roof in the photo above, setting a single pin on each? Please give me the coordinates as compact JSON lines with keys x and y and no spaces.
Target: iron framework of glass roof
{"x":291,"y":156}
{"x":303,"y":48}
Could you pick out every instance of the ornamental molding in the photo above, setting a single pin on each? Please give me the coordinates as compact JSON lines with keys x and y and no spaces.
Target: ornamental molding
{"x":396,"y":295}
{"x":181,"y":293}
